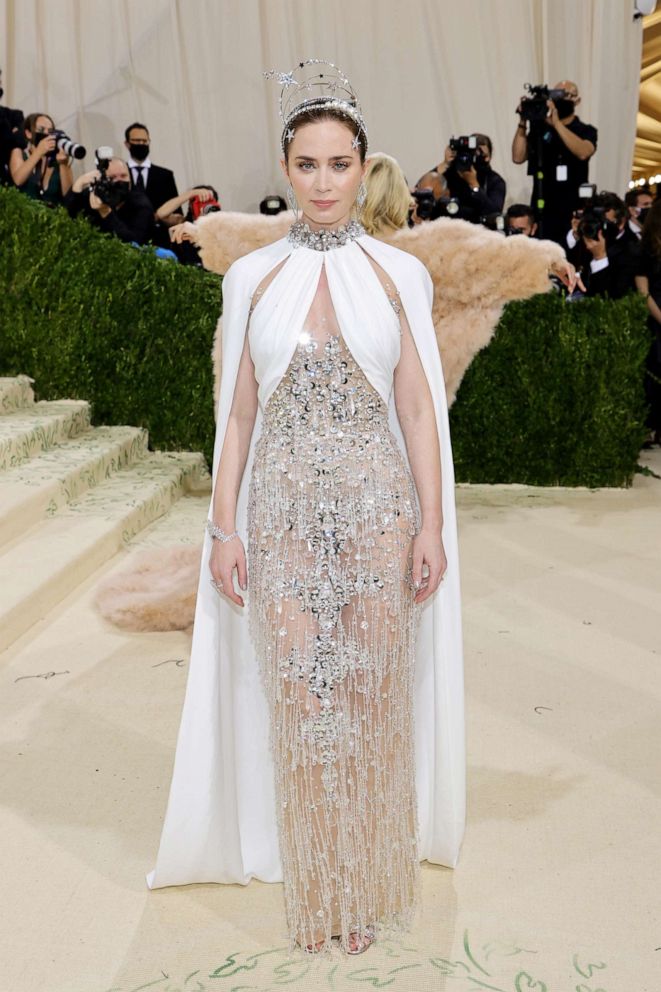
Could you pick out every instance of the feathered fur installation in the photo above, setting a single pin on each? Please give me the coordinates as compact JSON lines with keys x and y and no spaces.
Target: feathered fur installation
{"x":156,"y":592}
{"x":475,"y":273}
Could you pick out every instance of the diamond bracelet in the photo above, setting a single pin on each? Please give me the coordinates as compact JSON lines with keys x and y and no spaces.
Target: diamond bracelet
{"x":215,"y":531}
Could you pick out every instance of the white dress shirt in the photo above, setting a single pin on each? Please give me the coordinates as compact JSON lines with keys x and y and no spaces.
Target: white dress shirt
{"x":133,"y":166}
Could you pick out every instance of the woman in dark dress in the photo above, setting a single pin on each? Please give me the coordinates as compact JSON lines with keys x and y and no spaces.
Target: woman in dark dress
{"x":34,"y":171}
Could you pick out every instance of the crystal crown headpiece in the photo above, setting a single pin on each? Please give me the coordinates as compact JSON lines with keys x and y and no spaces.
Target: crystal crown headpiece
{"x":306,"y":88}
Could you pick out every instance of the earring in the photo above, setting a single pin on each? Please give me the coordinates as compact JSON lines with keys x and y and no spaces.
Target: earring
{"x":291,"y":199}
{"x":361,"y":195}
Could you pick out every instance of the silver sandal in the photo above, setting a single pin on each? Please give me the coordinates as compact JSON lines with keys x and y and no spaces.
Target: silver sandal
{"x":368,"y":938}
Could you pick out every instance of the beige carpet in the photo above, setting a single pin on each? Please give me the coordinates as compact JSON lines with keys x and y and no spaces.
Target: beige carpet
{"x":558,"y":885}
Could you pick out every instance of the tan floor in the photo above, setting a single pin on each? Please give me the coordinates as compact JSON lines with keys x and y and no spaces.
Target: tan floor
{"x":559,"y":881}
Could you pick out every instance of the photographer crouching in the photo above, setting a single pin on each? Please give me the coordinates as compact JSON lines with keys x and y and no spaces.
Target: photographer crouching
{"x":557,"y":146}
{"x":474,"y":188}
{"x":106,"y":198}
{"x":607,"y":252}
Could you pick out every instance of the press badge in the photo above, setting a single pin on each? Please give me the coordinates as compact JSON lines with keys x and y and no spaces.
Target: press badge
{"x":561,"y":174}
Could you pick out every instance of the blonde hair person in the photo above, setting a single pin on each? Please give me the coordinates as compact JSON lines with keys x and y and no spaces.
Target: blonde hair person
{"x":388,"y":200}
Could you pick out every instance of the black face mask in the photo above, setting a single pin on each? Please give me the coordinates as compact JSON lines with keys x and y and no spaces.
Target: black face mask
{"x":2,"y":92}
{"x":642,"y":214}
{"x":565,"y":108}
{"x":121,"y":188}
{"x":139,"y":152}
{"x":116,"y":192}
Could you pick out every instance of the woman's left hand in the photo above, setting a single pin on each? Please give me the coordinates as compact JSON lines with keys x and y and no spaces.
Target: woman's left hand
{"x":428,"y":550}
{"x":62,"y":158}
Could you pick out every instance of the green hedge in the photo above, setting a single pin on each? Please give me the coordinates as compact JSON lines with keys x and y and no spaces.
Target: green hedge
{"x":556,"y":398}
{"x":89,"y":317}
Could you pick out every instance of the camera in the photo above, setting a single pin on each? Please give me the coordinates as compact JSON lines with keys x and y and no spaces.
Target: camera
{"x":466,"y":151}
{"x":534,"y":106}
{"x":426,"y":204}
{"x":63,"y":143}
{"x":272,"y":205}
{"x":201,"y":208}
{"x":109,"y":192}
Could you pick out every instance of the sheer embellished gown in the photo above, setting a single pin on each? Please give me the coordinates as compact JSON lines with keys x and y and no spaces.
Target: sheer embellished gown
{"x":332,"y":513}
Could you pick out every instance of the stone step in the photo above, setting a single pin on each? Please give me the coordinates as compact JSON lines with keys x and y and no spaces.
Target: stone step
{"x":63,"y":472}
{"x":27,"y":431}
{"x":38,"y":571}
{"x":15,"y":393}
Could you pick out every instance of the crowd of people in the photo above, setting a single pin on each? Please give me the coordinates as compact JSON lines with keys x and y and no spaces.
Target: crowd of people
{"x":614,"y":242}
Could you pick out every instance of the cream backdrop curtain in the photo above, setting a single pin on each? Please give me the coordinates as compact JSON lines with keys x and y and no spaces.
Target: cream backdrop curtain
{"x":425,"y":69}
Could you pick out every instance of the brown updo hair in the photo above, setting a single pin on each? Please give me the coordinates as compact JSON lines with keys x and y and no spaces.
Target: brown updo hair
{"x":315,"y":114}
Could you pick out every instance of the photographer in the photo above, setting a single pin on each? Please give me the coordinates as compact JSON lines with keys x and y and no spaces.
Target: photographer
{"x":11,"y":136}
{"x":42,"y":171}
{"x":556,"y":143}
{"x":520,"y":219}
{"x":426,"y":197}
{"x":466,"y":168}
{"x":202,"y":200}
{"x":106,"y":198}
{"x":610,"y":251}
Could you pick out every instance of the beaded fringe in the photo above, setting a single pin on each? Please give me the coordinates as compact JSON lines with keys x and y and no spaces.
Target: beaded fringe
{"x":331,"y":515}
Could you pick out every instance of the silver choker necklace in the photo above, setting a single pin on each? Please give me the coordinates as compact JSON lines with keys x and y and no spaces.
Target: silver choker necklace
{"x":301,"y":236}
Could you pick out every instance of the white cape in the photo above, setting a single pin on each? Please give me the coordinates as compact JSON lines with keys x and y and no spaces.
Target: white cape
{"x":220,"y":823}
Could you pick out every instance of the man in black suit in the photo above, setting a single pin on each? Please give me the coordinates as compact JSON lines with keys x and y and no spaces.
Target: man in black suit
{"x":155,"y":181}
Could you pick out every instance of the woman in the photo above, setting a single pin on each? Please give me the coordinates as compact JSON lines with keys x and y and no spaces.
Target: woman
{"x":178,"y":224}
{"x":648,"y":282}
{"x":298,"y":756}
{"x":170,"y":211}
{"x":388,"y":199}
{"x":43,"y":172}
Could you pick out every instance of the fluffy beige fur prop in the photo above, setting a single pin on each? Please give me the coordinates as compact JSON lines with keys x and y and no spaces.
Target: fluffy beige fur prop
{"x":475,"y":273}
{"x":156,"y":592}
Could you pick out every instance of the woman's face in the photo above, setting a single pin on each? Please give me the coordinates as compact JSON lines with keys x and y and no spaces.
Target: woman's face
{"x":43,"y":125}
{"x":325,"y":172}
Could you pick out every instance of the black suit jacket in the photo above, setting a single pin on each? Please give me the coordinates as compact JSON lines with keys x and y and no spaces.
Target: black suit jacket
{"x":161,"y":186}
{"x":618,"y":277}
{"x":489,"y":199}
{"x":132,"y":221}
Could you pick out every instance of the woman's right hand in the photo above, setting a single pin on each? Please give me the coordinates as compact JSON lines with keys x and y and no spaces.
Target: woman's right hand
{"x":225,"y":557}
